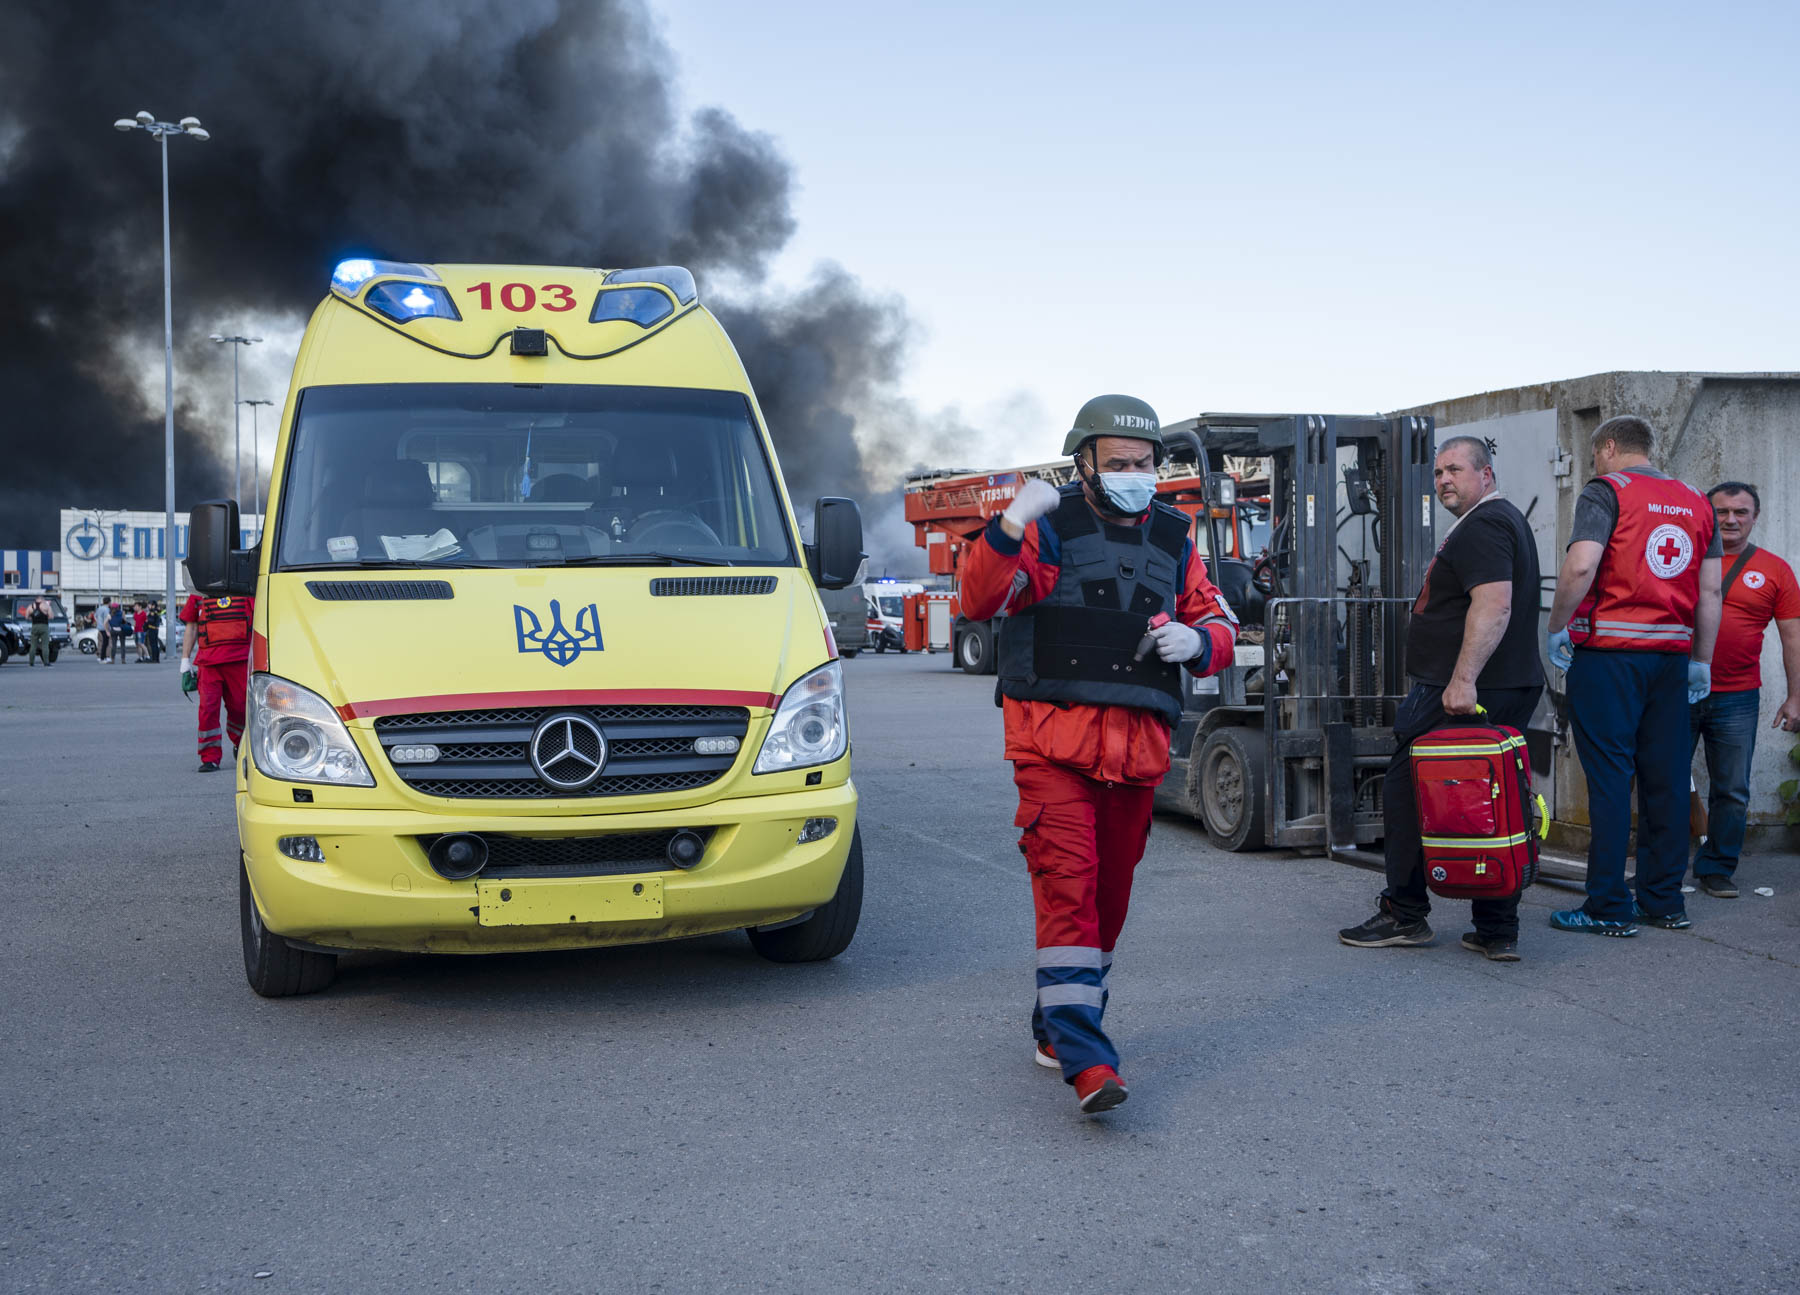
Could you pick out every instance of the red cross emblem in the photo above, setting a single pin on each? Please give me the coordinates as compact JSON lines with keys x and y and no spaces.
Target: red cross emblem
{"x":1668,"y":551}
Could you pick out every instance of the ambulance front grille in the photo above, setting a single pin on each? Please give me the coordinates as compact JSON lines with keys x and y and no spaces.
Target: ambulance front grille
{"x":604,"y":854}
{"x":487,"y":754}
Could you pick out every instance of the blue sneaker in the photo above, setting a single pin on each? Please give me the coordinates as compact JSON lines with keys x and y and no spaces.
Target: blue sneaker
{"x":1677,"y":921}
{"x":1579,"y":919}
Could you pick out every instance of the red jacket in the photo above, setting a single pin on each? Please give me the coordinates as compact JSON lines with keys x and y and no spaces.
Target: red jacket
{"x":1109,"y":743}
{"x":1648,"y":585}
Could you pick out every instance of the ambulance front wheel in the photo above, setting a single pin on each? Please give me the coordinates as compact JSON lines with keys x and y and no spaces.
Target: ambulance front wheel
{"x":275,"y":968}
{"x":829,"y":930}
{"x":1232,"y":793}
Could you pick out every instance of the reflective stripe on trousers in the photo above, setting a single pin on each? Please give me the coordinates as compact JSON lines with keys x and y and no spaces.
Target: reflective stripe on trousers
{"x":1082,"y":840}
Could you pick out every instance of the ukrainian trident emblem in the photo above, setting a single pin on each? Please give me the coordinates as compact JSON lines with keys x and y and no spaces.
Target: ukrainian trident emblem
{"x":557,"y":643}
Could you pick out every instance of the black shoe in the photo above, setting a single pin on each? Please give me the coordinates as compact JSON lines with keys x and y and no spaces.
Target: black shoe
{"x":208,"y":766}
{"x":1385,"y":929}
{"x":1718,"y":887}
{"x":1495,"y":948}
{"x":1677,"y":921}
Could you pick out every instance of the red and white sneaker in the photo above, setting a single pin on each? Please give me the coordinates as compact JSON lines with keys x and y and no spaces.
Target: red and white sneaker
{"x":1045,"y":1056}
{"x":1099,"y":1088}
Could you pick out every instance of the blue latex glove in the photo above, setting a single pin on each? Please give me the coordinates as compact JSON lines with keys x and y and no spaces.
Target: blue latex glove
{"x":1699,"y":681}
{"x":1562,"y":651}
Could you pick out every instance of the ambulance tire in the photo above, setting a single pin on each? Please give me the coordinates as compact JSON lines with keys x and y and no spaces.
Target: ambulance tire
{"x":1229,"y":787}
{"x":275,"y":968}
{"x":829,"y":930}
{"x":975,"y":648}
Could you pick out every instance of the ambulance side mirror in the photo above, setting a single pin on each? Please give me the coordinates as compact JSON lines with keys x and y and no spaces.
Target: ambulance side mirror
{"x":836,"y":553}
{"x":214,"y":565}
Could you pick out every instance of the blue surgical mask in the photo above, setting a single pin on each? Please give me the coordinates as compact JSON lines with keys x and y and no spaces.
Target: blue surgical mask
{"x":1129,"y":493}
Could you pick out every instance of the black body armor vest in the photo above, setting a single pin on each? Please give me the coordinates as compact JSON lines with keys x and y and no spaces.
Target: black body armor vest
{"x":1076,"y":644}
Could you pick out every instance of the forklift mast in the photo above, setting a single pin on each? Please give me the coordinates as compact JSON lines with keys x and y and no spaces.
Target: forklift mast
{"x":1288,"y":747}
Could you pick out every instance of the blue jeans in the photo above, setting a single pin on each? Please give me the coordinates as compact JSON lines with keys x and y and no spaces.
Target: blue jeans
{"x":1727,"y":720}
{"x":1629,"y":713}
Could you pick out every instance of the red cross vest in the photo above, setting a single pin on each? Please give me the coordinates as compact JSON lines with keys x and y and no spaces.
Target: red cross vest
{"x":1648,"y":584}
{"x":224,"y":628}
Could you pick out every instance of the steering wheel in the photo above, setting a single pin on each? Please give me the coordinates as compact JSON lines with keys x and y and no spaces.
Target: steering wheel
{"x":673,"y":520}
{"x":1262,"y":575}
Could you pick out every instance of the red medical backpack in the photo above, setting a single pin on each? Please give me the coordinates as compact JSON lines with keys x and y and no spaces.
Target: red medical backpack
{"x":1479,"y":821}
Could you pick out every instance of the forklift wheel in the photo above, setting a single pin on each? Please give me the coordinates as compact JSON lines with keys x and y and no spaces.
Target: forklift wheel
{"x":1231,"y":785}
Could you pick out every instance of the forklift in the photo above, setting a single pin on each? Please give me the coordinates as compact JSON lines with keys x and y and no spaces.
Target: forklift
{"x":1288,"y":746}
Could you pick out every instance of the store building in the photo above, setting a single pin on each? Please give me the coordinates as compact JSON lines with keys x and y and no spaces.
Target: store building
{"x":119,"y":553}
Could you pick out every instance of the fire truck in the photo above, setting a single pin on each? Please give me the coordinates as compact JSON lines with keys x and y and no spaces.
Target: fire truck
{"x":949,"y":509}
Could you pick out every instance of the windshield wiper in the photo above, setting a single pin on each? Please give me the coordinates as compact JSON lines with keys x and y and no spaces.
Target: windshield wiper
{"x":389,"y":564}
{"x":634,"y":560}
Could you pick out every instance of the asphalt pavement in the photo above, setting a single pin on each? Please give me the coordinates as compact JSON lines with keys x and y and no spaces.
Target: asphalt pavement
{"x":1607,"y":1115}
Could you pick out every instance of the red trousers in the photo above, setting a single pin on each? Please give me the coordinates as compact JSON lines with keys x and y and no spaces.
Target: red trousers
{"x":224,"y":684}
{"x":1082,"y":840}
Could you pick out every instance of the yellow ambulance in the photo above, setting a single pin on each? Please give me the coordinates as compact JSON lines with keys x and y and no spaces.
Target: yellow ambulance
{"x":538,"y":657}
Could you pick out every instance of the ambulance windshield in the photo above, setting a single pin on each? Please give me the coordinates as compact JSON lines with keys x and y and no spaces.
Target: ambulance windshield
{"x":502,"y":475}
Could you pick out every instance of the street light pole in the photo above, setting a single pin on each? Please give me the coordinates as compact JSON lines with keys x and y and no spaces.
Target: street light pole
{"x":162,"y":130}
{"x":256,"y":458}
{"x":237,"y":422}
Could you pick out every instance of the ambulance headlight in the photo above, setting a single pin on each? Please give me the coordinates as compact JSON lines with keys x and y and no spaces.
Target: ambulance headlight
{"x":810,"y":726}
{"x":405,"y":302}
{"x":296,"y":736}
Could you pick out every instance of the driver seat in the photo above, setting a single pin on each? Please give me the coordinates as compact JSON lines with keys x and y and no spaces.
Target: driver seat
{"x":396,"y":500}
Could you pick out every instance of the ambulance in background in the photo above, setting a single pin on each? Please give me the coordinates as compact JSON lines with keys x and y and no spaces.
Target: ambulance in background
{"x":491,"y":706}
{"x":887,"y":612}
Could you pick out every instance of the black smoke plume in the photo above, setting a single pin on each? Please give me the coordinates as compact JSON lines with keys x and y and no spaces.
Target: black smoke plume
{"x":505,"y":130}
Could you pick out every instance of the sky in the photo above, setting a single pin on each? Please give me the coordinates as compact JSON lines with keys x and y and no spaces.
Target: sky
{"x":1331,"y":208}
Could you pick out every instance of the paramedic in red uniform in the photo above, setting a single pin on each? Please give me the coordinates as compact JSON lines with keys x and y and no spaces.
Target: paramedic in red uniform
{"x":1759,"y":587}
{"x":1471,"y":640}
{"x":222,"y":628}
{"x":1633,"y":624}
{"x":1080,"y":573}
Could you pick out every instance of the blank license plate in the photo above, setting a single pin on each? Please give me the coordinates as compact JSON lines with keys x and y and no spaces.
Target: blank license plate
{"x":555,"y":903}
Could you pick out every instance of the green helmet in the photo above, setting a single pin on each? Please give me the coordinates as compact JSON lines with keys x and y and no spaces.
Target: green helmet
{"x":1115,"y":416}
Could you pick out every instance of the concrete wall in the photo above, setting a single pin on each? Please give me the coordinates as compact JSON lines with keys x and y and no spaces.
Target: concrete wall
{"x":1710,"y":427}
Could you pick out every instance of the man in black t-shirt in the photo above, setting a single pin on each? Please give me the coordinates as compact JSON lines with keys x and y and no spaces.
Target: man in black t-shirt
{"x":1472,"y":640}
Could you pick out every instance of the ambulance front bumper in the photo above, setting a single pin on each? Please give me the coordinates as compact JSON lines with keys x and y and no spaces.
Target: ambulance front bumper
{"x":376,"y":889}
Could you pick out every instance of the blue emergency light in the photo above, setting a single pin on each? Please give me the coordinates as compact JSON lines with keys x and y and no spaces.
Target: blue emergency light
{"x":350,"y":275}
{"x":405,"y":302}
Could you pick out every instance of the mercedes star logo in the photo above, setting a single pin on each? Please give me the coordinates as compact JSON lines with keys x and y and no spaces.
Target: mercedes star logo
{"x":568,"y":751}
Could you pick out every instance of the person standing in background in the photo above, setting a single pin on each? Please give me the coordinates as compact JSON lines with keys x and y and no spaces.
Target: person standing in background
{"x":1759,"y":587}
{"x":103,"y":623}
{"x":1471,"y":641}
{"x":139,"y":618}
{"x":40,"y":632}
{"x":1633,"y":623}
{"x":153,"y":632}
{"x":115,"y":624}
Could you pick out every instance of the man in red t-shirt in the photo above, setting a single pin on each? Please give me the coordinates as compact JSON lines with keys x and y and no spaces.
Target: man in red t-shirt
{"x":221,"y":629}
{"x":1759,"y":588}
